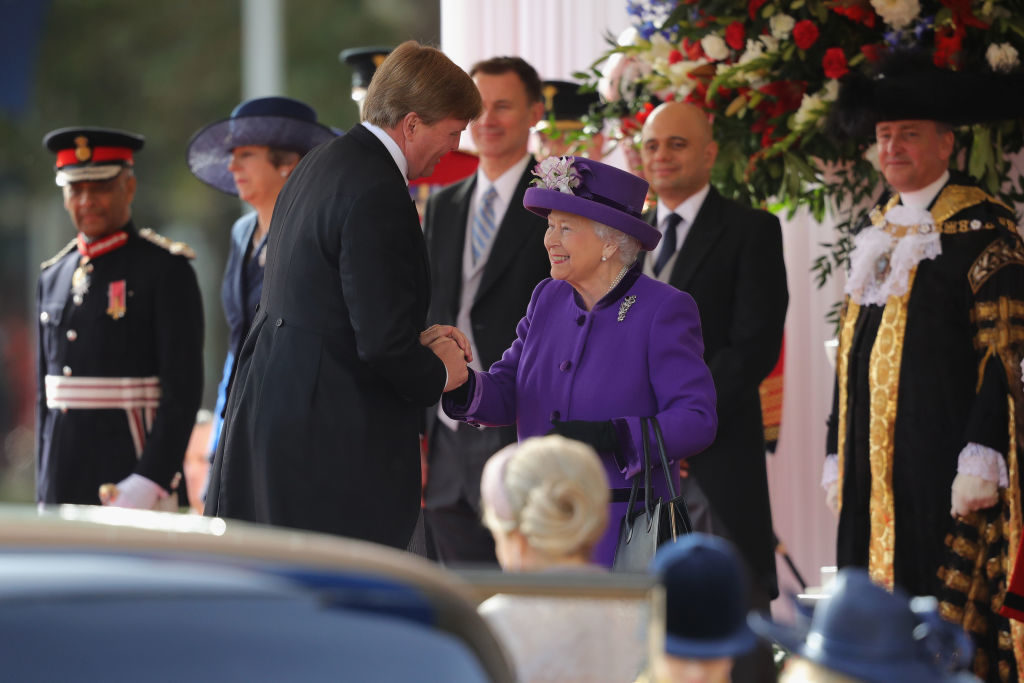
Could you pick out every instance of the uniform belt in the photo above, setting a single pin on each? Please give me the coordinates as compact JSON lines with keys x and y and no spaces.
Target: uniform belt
{"x":100,"y":393}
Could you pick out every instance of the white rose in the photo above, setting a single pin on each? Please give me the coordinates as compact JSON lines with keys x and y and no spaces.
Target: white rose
{"x":714,"y":47}
{"x":781,"y":25}
{"x":831,"y":90}
{"x":897,"y":13}
{"x":771,"y":43}
{"x":808,"y":111}
{"x":1002,"y":56}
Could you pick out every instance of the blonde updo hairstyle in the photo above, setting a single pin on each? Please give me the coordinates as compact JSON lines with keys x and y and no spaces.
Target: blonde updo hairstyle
{"x":552,"y":490}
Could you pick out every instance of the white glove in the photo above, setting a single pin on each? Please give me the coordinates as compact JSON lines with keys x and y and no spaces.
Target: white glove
{"x":972,"y":493}
{"x":134,"y":491}
{"x":832,"y":497}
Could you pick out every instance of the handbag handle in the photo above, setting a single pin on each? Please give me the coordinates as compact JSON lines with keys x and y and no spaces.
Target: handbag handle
{"x":648,"y":489}
{"x":668,"y":479}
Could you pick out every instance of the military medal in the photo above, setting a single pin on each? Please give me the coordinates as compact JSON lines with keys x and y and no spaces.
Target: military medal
{"x":116,"y":299}
{"x":80,"y":280}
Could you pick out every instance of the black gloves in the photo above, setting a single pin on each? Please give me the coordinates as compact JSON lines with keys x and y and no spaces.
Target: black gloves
{"x":601,"y":435}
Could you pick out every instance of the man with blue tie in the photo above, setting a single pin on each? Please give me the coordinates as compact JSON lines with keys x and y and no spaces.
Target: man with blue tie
{"x":728,"y":257}
{"x":486,"y":256}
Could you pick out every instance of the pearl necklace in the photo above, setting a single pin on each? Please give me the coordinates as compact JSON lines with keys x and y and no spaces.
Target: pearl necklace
{"x":618,"y":278}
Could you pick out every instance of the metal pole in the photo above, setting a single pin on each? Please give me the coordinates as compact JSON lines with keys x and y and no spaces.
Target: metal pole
{"x":262,"y":48}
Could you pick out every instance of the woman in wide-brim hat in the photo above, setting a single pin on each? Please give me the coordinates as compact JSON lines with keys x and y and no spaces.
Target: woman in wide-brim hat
{"x":251,"y":154}
{"x":601,"y":345}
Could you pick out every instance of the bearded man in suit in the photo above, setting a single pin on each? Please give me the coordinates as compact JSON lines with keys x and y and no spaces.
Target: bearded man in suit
{"x":321,"y":426}
{"x":486,"y":256}
{"x":728,"y":257}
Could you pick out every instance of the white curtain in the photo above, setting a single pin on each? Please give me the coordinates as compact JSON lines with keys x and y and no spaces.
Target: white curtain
{"x":562,"y":36}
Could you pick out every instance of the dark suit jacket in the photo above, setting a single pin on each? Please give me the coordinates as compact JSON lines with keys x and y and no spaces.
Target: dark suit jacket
{"x":323,"y":416}
{"x":731,"y":263}
{"x":517,"y":262}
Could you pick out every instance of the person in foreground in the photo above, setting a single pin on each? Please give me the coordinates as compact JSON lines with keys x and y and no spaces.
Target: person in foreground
{"x":120,"y":339}
{"x":333,"y":378}
{"x":545,"y":501}
{"x":250,"y":155}
{"x":601,"y":345}
{"x":705,"y":608}
{"x":862,"y":632}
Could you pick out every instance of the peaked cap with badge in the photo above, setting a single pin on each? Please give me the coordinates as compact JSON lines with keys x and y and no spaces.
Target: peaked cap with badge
{"x":120,"y":370}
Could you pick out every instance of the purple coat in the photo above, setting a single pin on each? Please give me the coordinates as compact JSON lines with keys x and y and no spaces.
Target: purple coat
{"x":568,"y":363}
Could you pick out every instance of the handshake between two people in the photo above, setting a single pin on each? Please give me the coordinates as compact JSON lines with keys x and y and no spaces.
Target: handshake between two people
{"x":452,"y":346}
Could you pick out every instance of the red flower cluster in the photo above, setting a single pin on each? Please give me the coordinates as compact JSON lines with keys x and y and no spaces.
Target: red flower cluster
{"x":873,"y":52}
{"x":834,"y":63}
{"x":858,"y":10}
{"x":805,"y":33}
{"x":948,"y":43}
{"x":753,"y":7}
{"x":735,"y":35}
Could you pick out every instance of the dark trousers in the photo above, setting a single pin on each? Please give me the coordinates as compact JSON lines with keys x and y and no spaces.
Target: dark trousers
{"x":452,"y":515}
{"x":757,"y":666}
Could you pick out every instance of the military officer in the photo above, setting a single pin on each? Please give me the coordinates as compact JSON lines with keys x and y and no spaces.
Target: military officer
{"x":120,"y":339}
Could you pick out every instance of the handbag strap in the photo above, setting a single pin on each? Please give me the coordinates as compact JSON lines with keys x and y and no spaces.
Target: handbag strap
{"x":648,"y":489}
{"x":664,"y":457}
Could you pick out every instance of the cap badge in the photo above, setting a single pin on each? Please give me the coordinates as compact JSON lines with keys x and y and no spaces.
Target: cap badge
{"x":82,"y":150}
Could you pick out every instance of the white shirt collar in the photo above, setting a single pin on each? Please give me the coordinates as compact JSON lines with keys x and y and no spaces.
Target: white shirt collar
{"x":505,"y":184}
{"x":393,"y":149}
{"x":922,"y":199}
{"x":688,"y":210}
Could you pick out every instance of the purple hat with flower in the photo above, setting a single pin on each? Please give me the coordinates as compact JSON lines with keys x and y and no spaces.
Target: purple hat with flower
{"x":278,"y":122}
{"x":593,"y":190}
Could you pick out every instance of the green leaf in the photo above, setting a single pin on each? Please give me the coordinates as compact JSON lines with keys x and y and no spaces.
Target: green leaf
{"x":796,"y":4}
{"x":980,"y":158}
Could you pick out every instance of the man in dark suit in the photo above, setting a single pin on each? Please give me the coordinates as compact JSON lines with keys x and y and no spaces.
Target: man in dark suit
{"x":728,"y":257}
{"x":486,"y":256}
{"x":323,"y":415}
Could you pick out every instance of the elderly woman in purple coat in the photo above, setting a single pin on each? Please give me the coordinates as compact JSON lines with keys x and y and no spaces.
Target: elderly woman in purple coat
{"x":602,"y":345}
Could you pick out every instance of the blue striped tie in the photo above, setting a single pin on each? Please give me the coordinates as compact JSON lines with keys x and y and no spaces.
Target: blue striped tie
{"x":483,"y":224}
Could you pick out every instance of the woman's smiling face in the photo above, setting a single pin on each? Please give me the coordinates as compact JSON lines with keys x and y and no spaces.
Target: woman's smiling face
{"x":574,"y":249}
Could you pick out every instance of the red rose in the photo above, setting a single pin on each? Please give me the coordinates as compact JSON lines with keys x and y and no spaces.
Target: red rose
{"x":641,"y":116}
{"x":859,"y":13}
{"x":735,"y":35}
{"x":753,"y":6}
{"x":698,"y":94}
{"x":805,"y":33}
{"x":834,"y":63}
{"x":948,"y":42}
{"x":675,"y":56}
{"x":692,"y":49}
{"x":872,"y":52}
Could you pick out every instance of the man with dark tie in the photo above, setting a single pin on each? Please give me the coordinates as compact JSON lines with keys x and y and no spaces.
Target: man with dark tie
{"x":486,"y":256}
{"x":728,"y":257}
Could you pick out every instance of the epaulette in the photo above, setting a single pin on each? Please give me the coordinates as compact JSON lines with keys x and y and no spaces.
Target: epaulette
{"x":996,"y":255}
{"x":176,"y":248}
{"x":59,"y":255}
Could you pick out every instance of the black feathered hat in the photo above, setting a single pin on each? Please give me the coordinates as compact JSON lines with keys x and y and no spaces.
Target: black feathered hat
{"x":907,"y":86}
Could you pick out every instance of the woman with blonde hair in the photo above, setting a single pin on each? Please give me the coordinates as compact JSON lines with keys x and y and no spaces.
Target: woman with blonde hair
{"x":545,"y":501}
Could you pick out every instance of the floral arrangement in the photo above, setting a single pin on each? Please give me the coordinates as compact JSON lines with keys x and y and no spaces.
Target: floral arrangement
{"x":768,"y":71}
{"x":557,"y":173}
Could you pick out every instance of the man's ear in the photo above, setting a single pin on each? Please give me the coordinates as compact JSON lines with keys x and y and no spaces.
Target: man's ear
{"x":410,"y":123}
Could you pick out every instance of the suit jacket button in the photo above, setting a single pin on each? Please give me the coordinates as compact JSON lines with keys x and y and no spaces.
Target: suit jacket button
{"x":44,"y":317}
{"x":580,"y":320}
{"x":555,"y":415}
{"x":71,"y":335}
{"x":565,"y":365}
{"x":279,"y":322}
{"x":67,"y":371}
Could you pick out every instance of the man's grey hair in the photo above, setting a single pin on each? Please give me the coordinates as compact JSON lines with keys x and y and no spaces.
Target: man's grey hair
{"x":629,"y":246}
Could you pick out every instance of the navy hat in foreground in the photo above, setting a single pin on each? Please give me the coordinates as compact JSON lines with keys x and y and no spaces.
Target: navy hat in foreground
{"x":705,"y":598}
{"x":565,"y":105}
{"x":91,"y":153}
{"x":279,"y":122}
{"x":364,"y":62}
{"x":864,"y":631}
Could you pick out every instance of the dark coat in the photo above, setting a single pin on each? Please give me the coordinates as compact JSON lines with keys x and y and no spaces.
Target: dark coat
{"x":731,"y":264}
{"x":517,"y":262}
{"x":323,"y":415}
{"x":160,"y":334}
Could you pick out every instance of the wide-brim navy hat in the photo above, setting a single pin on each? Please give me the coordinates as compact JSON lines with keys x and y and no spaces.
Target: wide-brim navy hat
{"x":705,"y":598}
{"x":279,"y":122}
{"x":593,"y":190}
{"x":864,"y":631}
